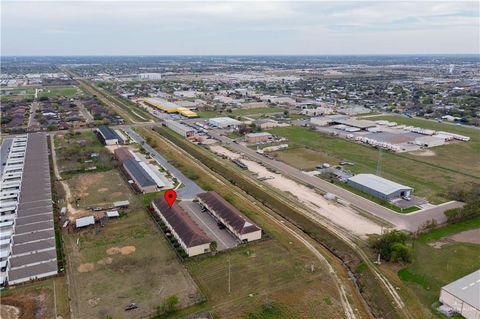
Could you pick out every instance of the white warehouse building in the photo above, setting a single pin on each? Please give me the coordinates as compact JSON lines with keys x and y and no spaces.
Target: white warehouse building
{"x":184,"y":130}
{"x":379,"y":187}
{"x":224,"y":122}
{"x":463,"y":296}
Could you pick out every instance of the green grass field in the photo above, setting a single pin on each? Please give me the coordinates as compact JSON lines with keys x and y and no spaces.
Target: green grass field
{"x":433,"y":268}
{"x":431,"y":177}
{"x":67,"y":91}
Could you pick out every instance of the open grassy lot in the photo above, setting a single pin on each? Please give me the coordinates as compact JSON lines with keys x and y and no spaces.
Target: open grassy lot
{"x":434,"y":267}
{"x":429,"y":179}
{"x":80,"y":153}
{"x":39,"y":299}
{"x":304,"y":158}
{"x":258,"y":111}
{"x":66,"y":91}
{"x":126,"y":261}
{"x":101,"y":189}
{"x":263,"y":272}
{"x":275,"y":270}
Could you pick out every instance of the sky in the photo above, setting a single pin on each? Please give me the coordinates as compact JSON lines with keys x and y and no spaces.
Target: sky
{"x":239,"y":27}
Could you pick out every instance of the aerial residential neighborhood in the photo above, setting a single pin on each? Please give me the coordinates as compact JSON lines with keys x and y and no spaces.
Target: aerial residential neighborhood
{"x":240,"y":159}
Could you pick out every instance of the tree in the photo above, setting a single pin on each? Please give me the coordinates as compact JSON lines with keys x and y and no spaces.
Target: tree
{"x":387,"y":245}
{"x":213,"y":246}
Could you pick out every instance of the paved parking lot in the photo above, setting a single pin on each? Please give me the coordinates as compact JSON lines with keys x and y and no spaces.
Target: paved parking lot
{"x":209,"y":225}
{"x":414,"y":201}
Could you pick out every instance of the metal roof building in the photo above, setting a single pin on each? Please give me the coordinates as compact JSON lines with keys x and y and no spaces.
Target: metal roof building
{"x":84,"y":221}
{"x":190,"y":236}
{"x":142,"y":180}
{"x":379,"y":186}
{"x":184,"y":130}
{"x":106,"y":135}
{"x":230,"y":216}
{"x":223,"y":122}
{"x":463,"y":295}
{"x":33,"y":250}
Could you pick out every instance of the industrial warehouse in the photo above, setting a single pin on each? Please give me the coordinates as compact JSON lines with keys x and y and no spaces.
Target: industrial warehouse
{"x":170,"y":107}
{"x":379,"y":187}
{"x":224,"y":122}
{"x":28,"y":250}
{"x":184,"y":130}
{"x":462,"y":296}
{"x":191,"y":237}
{"x":384,"y":134}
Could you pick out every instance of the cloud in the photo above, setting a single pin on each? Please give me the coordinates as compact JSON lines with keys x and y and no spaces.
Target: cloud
{"x":238,"y":27}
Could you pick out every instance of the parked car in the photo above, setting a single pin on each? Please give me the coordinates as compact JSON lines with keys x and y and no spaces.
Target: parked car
{"x":131,"y":306}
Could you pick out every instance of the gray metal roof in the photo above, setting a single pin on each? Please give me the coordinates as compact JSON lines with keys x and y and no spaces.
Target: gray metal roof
{"x":34,"y":222}
{"x":138,"y":173}
{"x":84,"y":221}
{"x":108,"y":133}
{"x":467,"y":289}
{"x":378,"y":183}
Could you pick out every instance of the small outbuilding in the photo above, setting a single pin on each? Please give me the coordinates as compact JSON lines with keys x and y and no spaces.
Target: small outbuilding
{"x":84,"y":221}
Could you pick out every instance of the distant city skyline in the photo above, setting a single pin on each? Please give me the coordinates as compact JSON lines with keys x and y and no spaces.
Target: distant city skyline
{"x":31,"y":28}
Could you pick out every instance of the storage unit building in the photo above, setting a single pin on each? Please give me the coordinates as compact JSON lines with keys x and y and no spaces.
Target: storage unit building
{"x":463,"y":295}
{"x":230,"y":216}
{"x":379,"y":187}
{"x":190,"y":236}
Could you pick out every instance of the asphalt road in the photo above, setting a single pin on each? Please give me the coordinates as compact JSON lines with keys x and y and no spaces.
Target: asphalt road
{"x":409,"y":222}
{"x":209,"y":225}
{"x":190,"y":190}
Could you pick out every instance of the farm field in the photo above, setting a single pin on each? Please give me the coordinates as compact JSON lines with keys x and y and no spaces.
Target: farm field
{"x":439,"y":260}
{"x":36,"y":300}
{"x":430,"y":179}
{"x":80,"y":153}
{"x":126,"y":261}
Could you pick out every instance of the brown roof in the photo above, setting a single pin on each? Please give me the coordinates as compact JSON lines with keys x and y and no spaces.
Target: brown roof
{"x":229,"y":213}
{"x":123,"y":154}
{"x":190,"y":233}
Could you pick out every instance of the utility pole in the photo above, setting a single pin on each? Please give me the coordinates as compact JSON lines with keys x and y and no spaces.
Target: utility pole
{"x":379,"y":162}
{"x":229,"y":275}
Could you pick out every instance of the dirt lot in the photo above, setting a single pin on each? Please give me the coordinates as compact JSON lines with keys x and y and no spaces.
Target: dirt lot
{"x":469,"y":236}
{"x":35,"y":300}
{"x":99,"y":190}
{"x":126,"y":261}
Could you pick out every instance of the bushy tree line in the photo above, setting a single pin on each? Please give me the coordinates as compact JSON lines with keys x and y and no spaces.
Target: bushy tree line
{"x":392,"y":246}
{"x":471,"y":209}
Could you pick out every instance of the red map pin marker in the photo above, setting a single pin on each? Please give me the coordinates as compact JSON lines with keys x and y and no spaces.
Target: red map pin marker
{"x":170,"y":197}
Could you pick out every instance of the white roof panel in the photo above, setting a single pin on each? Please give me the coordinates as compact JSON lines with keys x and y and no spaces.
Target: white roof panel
{"x":378,"y":183}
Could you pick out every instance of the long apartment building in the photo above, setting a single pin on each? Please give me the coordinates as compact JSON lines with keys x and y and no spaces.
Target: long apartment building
{"x":27,"y":235}
{"x":236,"y":222}
{"x":190,"y":236}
